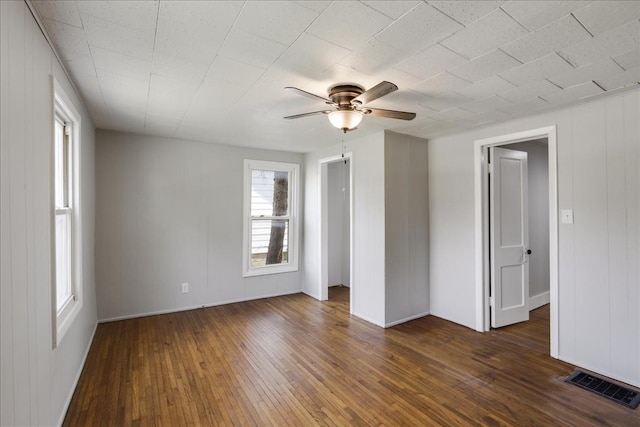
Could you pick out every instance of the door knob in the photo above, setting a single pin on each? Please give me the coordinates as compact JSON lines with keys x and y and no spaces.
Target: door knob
{"x":528,"y":252}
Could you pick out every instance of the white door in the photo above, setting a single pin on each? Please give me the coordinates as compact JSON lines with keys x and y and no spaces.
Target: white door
{"x":509,"y":237}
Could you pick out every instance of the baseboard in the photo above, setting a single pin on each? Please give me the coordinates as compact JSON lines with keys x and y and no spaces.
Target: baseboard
{"x":312,"y":295}
{"x":195,"y":307}
{"x":406,"y":319}
{"x":368,"y":319}
{"x":149,"y":313}
{"x":539,"y":300}
{"x":390,"y":324}
{"x":277,"y":294}
{"x":77,"y":378}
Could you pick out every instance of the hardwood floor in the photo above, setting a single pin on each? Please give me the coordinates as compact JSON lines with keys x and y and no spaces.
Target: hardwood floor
{"x":296,"y":361}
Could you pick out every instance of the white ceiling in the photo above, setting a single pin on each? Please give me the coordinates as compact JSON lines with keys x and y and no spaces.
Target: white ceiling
{"x":215,"y":71}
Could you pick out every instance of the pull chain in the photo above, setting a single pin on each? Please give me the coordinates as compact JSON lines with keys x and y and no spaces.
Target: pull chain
{"x":344,"y":172}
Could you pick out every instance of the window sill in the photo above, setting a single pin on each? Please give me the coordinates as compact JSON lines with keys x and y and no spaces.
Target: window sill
{"x":262,"y":271}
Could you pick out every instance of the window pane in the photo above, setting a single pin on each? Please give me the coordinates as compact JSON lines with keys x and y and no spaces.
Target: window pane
{"x":269,"y":193}
{"x":269,"y":242}
{"x":63,"y":258}
{"x":66,"y":173}
{"x":60,"y":163}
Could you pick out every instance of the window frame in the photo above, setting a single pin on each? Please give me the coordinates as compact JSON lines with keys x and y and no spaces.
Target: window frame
{"x":64,"y":111}
{"x":293,"y":170}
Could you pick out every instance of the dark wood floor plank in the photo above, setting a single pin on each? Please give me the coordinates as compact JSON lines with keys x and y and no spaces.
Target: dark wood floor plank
{"x":295,"y":361}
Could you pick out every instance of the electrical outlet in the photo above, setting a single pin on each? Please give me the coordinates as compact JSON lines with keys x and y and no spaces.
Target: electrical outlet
{"x":185,"y":288}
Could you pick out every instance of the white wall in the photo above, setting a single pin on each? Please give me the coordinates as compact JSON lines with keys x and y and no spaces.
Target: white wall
{"x":37,"y":382}
{"x":169,"y":212}
{"x":538,"y":179}
{"x":599,"y":295}
{"x":367,"y":169}
{"x":338,"y":232}
{"x":406,"y":228}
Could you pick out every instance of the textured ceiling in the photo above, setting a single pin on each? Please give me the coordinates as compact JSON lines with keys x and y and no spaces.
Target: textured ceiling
{"x":215,"y":71}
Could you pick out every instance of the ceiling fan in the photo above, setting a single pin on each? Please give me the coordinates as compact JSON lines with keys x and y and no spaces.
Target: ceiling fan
{"x":349,"y":100}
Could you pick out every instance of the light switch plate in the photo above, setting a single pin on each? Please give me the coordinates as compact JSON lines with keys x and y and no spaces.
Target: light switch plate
{"x":566,"y":216}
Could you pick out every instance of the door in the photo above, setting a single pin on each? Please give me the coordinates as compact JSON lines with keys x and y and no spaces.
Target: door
{"x":509,"y":236}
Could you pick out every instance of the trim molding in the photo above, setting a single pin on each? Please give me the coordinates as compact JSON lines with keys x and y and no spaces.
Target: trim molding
{"x":368,"y":319}
{"x":77,"y":378}
{"x":194,"y":307}
{"x":406,"y":319}
{"x":390,"y":324}
{"x":539,"y":300}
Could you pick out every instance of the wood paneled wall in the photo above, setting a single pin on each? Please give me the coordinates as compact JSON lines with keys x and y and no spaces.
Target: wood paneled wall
{"x":37,"y":382}
{"x":599,"y":280}
{"x":406,"y":228}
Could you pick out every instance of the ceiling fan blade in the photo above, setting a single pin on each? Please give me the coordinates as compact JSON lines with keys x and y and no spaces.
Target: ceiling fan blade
{"x":313,"y":113}
{"x":379,"y":90}
{"x":307,"y":94}
{"x":392,"y":114}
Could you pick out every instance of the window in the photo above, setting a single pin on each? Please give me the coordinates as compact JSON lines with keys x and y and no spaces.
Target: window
{"x":67,"y":278}
{"x":64,"y":213}
{"x":270,"y":226}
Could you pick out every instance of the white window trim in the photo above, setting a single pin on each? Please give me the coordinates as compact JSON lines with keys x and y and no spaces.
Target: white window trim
{"x":61,"y":322}
{"x":294,"y":177}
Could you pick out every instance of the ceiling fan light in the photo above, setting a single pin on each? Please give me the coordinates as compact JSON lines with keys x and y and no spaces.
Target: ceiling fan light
{"x":345,"y":119}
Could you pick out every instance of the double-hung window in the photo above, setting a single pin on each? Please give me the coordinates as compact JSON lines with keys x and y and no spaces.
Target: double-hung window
{"x":67,"y":233}
{"x":270,"y":212}
{"x":64,"y":213}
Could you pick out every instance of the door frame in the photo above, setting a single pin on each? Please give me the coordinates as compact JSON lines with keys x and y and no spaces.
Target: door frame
{"x":483,"y":318}
{"x":323,"y":168}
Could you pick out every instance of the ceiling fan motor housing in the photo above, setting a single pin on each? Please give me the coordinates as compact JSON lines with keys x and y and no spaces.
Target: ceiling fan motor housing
{"x":342,"y":95}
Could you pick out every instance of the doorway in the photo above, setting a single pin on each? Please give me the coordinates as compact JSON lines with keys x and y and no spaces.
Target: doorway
{"x":336,"y":226}
{"x":482,"y":149}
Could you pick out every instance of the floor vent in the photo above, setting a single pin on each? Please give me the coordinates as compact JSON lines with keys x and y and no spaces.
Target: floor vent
{"x":619,"y":394}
